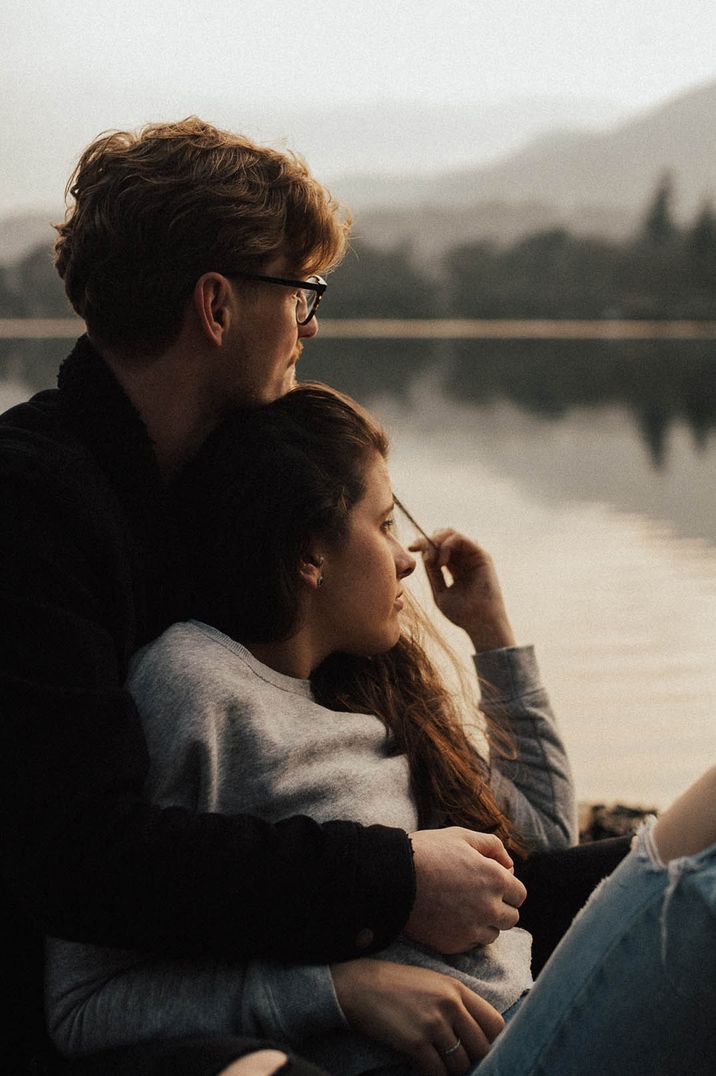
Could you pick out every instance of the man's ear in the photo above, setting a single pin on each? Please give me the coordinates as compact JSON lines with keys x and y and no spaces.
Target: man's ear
{"x":211,"y":299}
{"x":311,"y":570}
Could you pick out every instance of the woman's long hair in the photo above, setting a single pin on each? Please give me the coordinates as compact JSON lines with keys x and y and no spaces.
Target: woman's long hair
{"x":266,"y":484}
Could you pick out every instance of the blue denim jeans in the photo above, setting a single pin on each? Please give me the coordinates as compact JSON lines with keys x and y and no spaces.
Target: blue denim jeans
{"x":631,"y":988}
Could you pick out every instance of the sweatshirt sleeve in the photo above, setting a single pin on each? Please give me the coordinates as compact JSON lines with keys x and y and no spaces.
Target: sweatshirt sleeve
{"x":536,"y":788}
{"x":98,"y":999}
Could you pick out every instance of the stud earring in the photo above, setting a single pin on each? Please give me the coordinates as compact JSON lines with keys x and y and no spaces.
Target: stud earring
{"x":319,"y":581}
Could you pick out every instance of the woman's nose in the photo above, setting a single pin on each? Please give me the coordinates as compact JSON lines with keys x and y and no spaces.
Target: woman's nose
{"x":405,"y":563}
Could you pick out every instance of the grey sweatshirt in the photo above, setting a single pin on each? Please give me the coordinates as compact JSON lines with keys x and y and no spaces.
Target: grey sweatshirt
{"x":228,"y":734}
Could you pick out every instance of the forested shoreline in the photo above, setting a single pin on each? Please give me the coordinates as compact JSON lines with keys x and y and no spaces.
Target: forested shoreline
{"x":665,"y":271}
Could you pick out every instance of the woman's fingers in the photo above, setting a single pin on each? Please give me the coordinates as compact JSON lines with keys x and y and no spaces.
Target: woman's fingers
{"x":473,"y":1030}
{"x":454,"y":551}
{"x":474,"y":1043}
{"x":433,"y":570}
{"x":433,"y":1061}
{"x":468,"y":1045}
{"x":466,"y":589}
{"x":490,"y":1020}
{"x":469,"y":1031}
{"x":418,"y":1012}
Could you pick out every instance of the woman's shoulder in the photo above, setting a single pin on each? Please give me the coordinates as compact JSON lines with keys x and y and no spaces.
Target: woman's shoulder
{"x":187,"y":651}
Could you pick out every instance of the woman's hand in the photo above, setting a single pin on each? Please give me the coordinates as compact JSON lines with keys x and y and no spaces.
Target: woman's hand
{"x":473,"y":600}
{"x":417,"y":1012}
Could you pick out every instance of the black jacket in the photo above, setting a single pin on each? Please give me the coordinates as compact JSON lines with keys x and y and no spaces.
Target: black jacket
{"x":89,"y":572}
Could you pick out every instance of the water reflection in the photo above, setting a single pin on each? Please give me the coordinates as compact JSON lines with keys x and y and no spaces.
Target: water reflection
{"x":659,"y":383}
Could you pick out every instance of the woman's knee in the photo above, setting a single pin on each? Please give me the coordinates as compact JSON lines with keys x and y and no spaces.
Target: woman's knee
{"x":689,"y":825}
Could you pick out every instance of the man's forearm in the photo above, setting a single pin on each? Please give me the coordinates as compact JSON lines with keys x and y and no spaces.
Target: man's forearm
{"x":127,"y":874}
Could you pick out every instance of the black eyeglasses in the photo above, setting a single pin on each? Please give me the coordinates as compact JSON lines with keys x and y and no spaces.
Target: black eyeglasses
{"x":309,"y":296}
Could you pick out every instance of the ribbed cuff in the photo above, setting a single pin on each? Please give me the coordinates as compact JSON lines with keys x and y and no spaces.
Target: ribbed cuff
{"x":508,"y":673}
{"x":303,"y":1001}
{"x":385,"y":881}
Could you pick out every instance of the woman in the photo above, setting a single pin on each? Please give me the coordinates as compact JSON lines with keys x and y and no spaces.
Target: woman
{"x":298,"y":688}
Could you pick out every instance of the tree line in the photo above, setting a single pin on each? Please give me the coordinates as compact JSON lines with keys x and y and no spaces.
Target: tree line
{"x":665,"y":271}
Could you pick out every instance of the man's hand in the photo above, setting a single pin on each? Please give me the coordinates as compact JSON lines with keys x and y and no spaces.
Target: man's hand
{"x":466,"y":891}
{"x":434,"y":1019}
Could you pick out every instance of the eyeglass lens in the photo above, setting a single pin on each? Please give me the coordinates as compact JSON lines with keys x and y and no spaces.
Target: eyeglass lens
{"x":306,"y":305}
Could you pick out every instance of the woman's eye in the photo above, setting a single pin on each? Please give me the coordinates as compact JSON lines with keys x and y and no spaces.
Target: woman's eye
{"x":389,"y":523}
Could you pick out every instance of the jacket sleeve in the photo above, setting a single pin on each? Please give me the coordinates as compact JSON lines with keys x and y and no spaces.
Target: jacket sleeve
{"x":81,"y":850}
{"x":535,"y":788}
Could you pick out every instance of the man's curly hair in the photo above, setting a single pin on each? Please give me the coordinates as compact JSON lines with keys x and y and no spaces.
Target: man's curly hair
{"x":150,"y":211}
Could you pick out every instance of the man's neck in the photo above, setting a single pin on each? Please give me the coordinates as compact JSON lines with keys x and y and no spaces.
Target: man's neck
{"x":171,"y":402}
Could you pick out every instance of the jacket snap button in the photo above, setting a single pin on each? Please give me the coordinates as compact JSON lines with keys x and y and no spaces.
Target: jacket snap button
{"x":364,"y":938}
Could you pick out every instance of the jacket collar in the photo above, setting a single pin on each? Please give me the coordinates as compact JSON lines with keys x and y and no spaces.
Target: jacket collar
{"x":107,"y":423}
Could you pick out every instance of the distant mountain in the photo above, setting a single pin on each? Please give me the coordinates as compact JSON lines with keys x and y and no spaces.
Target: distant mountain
{"x":429,"y":231}
{"x":596,"y":184}
{"x":42,"y":137}
{"x":421,"y":137}
{"x":617,"y":168}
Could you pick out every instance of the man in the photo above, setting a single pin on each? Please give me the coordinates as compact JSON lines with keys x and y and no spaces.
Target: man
{"x":192,"y":255}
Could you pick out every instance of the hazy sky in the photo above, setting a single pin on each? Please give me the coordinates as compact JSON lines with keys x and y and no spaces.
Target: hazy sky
{"x":72,"y":69}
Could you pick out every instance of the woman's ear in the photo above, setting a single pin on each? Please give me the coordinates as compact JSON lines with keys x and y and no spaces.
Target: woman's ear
{"x":311,"y":570}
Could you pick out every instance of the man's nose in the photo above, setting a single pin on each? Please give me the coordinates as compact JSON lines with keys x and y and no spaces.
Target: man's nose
{"x":305,"y":332}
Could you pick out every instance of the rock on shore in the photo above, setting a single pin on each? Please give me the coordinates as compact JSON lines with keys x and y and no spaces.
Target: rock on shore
{"x":600,"y":820}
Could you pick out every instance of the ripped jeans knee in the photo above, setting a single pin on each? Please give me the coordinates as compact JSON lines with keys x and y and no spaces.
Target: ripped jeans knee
{"x":630,"y":989}
{"x":687,"y":918}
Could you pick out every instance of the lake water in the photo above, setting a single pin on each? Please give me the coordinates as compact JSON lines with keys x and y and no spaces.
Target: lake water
{"x":589,"y":472}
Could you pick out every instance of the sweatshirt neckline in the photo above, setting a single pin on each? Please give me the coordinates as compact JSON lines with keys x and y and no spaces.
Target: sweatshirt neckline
{"x":287,"y":683}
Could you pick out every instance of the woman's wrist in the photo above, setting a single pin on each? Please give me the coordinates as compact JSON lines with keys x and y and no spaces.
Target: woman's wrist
{"x":494,"y":636}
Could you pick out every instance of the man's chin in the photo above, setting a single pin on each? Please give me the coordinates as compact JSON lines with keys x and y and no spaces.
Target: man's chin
{"x":279,"y":389}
